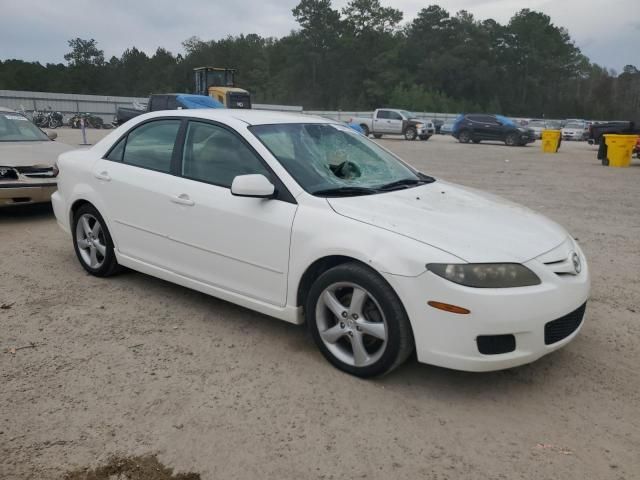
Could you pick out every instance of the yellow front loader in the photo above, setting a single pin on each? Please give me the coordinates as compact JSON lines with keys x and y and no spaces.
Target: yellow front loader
{"x":219,"y":84}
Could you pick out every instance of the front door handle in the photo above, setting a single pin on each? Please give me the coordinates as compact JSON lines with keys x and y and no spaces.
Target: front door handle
{"x":104,"y":176}
{"x":183,"y":199}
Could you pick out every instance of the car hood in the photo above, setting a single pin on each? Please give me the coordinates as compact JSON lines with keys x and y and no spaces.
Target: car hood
{"x":26,"y":154}
{"x":472,"y":225}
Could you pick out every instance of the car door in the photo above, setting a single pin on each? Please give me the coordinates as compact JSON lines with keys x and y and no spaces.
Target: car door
{"x":381,"y":121}
{"x":395,"y":123}
{"x":493,"y":128}
{"x":132,"y":182}
{"x":239,"y":244}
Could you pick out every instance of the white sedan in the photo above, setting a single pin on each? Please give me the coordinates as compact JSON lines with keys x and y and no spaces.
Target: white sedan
{"x":308,"y":221}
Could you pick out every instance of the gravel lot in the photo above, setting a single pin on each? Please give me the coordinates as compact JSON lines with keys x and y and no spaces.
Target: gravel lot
{"x":132,"y":365}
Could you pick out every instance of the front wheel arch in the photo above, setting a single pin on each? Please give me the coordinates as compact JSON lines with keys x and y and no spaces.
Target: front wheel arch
{"x":317,"y":268}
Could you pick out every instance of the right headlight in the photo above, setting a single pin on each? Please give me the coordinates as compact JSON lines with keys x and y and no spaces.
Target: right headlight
{"x":486,"y":275}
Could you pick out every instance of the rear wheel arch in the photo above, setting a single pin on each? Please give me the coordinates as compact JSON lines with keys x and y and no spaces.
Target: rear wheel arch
{"x":74,"y":208}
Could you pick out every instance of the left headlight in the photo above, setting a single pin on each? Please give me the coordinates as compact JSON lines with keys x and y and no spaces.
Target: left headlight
{"x":486,"y":275}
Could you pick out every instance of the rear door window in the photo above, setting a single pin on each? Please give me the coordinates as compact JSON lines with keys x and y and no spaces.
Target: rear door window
{"x":151,"y":145}
{"x":383,"y":114}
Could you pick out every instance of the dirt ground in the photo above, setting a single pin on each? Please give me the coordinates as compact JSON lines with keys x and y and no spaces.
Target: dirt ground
{"x":132,"y":366}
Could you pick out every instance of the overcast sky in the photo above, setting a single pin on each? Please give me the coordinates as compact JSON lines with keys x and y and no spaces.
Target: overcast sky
{"x":608,"y":32}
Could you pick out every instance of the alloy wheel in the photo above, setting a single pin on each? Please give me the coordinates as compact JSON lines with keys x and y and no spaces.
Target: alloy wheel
{"x":91,"y":240}
{"x":351,"y":324}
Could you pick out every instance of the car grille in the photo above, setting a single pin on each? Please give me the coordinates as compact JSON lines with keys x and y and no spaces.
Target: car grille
{"x":561,"y":328}
{"x":496,"y":344}
{"x":8,"y":174}
{"x":36,"y":172}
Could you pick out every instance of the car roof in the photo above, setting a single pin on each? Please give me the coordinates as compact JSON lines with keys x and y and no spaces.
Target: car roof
{"x":250,"y":117}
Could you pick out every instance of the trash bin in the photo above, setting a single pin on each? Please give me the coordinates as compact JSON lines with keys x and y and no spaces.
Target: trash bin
{"x":551,"y":141}
{"x":619,"y":149}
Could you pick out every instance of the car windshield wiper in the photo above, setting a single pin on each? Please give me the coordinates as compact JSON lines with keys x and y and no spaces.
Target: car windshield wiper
{"x":406,"y":183}
{"x":345,"y":191}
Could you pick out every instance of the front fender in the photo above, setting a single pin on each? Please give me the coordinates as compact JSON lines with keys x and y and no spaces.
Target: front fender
{"x":319,"y":232}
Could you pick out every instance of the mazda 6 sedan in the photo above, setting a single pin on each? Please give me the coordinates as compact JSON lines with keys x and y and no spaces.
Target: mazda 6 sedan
{"x":308,"y":221}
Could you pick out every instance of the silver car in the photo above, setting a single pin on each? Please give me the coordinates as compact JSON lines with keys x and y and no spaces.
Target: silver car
{"x":27,"y":160}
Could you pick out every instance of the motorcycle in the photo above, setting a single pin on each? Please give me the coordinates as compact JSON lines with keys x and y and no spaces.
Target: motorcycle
{"x":90,"y":121}
{"x":47,"y":119}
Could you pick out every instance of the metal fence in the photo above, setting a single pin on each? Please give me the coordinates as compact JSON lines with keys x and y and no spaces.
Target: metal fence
{"x":106,"y":106}
{"x":345,"y":116}
{"x":66,"y":103}
{"x":103,"y":106}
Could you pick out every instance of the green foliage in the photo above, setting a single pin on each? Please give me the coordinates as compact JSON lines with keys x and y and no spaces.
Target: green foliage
{"x":361,"y":57}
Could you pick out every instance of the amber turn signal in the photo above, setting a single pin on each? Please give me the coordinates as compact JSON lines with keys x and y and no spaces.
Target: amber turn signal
{"x":448,"y":307}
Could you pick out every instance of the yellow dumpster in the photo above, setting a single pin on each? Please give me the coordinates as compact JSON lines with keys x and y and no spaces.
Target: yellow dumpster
{"x":619,"y":149}
{"x":551,"y":141}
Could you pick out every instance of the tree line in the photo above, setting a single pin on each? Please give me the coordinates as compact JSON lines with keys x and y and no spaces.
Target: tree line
{"x":363,"y":57}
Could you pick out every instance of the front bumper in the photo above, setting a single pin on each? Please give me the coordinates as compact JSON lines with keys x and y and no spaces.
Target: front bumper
{"x":24,"y":193}
{"x":451,"y":340}
{"x":424,"y":131}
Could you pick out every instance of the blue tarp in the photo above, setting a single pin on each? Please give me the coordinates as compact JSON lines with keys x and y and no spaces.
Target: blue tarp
{"x":198,"y":101}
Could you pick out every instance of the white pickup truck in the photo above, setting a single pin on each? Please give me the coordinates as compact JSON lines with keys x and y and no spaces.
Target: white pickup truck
{"x":390,"y":121}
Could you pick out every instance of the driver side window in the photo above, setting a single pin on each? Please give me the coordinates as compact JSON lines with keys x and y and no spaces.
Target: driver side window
{"x":215,"y":155}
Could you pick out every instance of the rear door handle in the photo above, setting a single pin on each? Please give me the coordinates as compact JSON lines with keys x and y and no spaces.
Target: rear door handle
{"x":183,"y":199}
{"x":104,"y":176}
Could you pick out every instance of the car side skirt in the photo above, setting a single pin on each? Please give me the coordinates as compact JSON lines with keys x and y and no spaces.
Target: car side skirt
{"x":287,"y":313}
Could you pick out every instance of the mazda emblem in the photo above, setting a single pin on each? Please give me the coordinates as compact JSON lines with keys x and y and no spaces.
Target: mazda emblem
{"x":577,"y":266}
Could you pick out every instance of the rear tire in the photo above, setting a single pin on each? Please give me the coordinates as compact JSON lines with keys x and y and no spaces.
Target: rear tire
{"x":92,"y":242}
{"x":366,"y":339}
{"x":464,"y":136}
{"x":476,"y":141}
{"x":365,"y":130}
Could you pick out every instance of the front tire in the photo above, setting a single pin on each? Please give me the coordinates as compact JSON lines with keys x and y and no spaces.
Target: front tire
{"x":92,"y":242}
{"x":377,"y":135}
{"x":357,"y":321}
{"x":512,"y":140}
{"x":410,"y":133}
{"x":425,"y":137}
{"x":464,"y":136}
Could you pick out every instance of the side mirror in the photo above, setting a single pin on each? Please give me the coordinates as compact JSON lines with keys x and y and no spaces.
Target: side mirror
{"x":255,"y":185}
{"x":52,"y":135}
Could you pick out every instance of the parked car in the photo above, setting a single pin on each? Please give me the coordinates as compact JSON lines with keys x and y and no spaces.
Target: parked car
{"x":437,"y":125}
{"x":304,"y":219}
{"x":167,"y":101}
{"x":475,"y":128}
{"x":27,"y":160}
{"x":538,"y":125}
{"x":598,"y":129}
{"x":388,"y":121}
{"x":575,"y":130}
{"x":446,"y":128}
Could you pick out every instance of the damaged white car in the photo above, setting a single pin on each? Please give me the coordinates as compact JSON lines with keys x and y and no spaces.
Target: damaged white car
{"x":308,"y":221}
